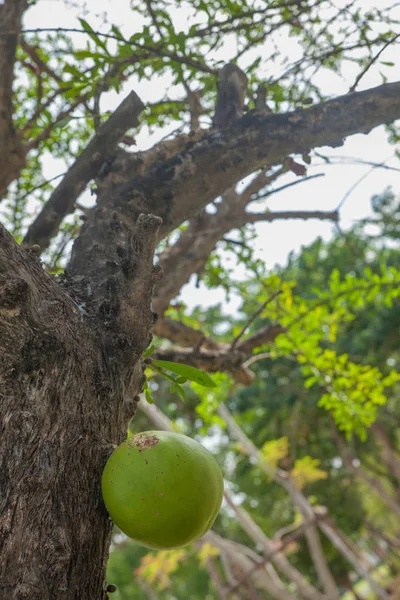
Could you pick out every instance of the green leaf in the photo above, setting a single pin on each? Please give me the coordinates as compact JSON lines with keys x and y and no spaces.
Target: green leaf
{"x":117,"y":32}
{"x":190,"y":373}
{"x":148,"y":396}
{"x":90,"y":31}
{"x":149,"y":351}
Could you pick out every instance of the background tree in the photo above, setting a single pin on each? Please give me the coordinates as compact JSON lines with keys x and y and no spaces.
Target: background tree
{"x":72,"y":339}
{"x":355,"y":481}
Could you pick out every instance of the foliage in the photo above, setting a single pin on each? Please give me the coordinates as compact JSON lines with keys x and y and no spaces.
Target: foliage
{"x":306,"y":471}
{"x":157,"y":568}
{"x":274,"y":451}
{"x":331,"y":303}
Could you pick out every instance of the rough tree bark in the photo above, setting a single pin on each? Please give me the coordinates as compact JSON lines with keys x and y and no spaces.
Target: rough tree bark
{"x":70,"y":349}
{"x":68,"y":357}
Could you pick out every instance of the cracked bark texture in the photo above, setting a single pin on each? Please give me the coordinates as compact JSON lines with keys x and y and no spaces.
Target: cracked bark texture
{"x":180,"y":187}
{"x":70,"y":349}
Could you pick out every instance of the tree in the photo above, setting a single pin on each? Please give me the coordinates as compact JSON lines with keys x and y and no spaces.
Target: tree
{"x":72,"y":340}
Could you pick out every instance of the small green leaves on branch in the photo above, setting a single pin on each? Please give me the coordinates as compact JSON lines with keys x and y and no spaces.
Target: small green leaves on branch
{"x":182,"y":374}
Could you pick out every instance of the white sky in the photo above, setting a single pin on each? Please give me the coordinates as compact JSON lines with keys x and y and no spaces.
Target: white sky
{"x":276,"y":239}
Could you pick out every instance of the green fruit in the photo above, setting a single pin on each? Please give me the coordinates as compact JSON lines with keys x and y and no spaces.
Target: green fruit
{"x":162,"y":489}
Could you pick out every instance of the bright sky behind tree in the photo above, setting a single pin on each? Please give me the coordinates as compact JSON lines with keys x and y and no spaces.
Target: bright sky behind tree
{"x":275,"y":240}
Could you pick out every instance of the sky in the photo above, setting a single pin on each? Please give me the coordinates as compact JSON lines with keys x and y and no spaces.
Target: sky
{"x":275,"y":240}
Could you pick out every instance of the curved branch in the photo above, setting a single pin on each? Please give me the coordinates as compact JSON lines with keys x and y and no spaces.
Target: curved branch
{"x":180,"y":187}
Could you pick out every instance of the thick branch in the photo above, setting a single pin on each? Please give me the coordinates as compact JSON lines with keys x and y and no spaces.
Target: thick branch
{"x":195,"y":244}
{"x":222,"y":360}
{"x":100,"y":149}
{"x":12,"y":156}
{"x":182,"y":334}
{"x":180,"y":187}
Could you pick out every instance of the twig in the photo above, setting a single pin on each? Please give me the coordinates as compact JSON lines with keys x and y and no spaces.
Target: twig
{"x":288,"y":185}
{"x":253,"y":317}
{"x":357,"y":183}
{"x":156,"y":51}
{"x":256,"y":358}
{"x":38,"y":187}
{"x":371,"y":62}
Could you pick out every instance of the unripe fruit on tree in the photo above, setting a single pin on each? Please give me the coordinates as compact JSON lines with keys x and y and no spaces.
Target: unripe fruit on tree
{"x":162,"y":489}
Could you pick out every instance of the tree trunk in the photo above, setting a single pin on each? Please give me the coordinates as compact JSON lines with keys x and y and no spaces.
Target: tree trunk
{"x":63,"y":376}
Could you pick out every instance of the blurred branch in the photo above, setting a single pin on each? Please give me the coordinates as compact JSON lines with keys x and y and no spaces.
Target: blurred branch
{"x":372,"y":61}
{"x":350,"y":462}
{"x":182,"y":334}
{"x":390,"y":456}
{"x":357,"y":183}
{"x":272,"y":550}
{"x":261,"y":337}
{"x":283,"y":478}
{"x":253,"y":318}
{"x":293,"y":214}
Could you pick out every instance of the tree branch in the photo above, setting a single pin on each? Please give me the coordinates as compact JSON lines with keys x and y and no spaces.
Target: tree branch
{"x":195,"y":244}
{"x":99,"y":150}
{"x":359,"y":471}
{"x":221,"y":360}
{"x":293,"y":214}
{"x":283,"y":477}
{"x":389,"y":454}
{"x":181,"y":186}
{"x":182,"y":334}
{"x":261,"y":337}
